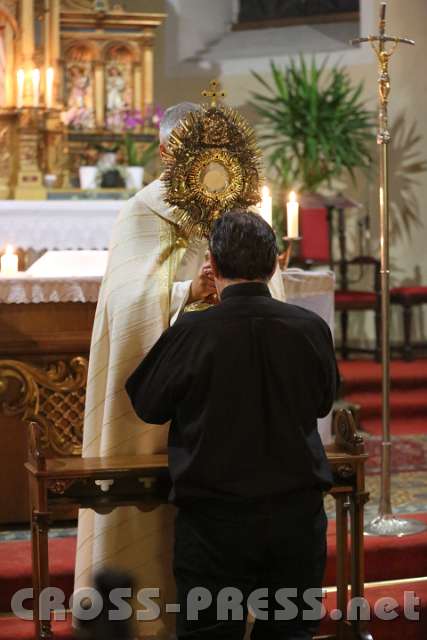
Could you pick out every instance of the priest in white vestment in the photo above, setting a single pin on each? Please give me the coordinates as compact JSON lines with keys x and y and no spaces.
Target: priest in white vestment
{"x":150,"y":278}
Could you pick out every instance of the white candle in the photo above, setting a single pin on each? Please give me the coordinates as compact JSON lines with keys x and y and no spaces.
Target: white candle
{"x":292,"y":208}
{"x":49,"y":88}
{"x":35,"y":76}
{"x":9,"y":262}
{"x":267,"y":205}
{"x":20,"y":80}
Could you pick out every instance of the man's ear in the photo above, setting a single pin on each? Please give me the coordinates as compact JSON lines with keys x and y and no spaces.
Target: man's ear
{"x":162,"y":151}
{"x":213,"y":265}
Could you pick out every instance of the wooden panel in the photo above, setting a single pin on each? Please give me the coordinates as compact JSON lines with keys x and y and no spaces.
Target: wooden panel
{"x":36,"y":333}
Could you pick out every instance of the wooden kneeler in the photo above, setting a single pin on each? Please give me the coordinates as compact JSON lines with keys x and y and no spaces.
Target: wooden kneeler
{"x":51,"y":402}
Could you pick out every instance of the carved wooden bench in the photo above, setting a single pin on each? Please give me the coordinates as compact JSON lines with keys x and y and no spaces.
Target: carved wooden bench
{"x":51,"y":402}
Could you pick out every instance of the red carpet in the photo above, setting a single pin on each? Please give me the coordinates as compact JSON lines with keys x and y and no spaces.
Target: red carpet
{"x":14,"y":629}
{"x":386,"y":559}
{"x":408,"y":402}
{"x":15,"y":567}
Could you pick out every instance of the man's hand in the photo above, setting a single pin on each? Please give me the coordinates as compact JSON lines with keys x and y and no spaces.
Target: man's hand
{"x":203,"y":285}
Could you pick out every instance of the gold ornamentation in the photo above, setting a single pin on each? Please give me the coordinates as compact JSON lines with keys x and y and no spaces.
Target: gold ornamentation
{"x":59,"y":487}
{"x":213,"y":92}
{"x":212,"y":165}
{"x":52,"y":399}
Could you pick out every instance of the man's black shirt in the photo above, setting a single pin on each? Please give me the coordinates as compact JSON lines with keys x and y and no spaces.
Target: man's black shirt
{"x":243,"y":383}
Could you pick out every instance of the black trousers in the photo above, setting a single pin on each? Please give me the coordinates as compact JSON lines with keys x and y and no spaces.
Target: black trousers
{"x":259,"y":555}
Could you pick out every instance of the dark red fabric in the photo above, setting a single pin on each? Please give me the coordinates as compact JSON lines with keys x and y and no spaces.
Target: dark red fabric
{"x":15,"y":567}
{"x":403,"y":404}
{"x":365,"y":375}
{"x":314,"y":232}
{"x":399,"y":629}
{"x":399,"y":426}
{"x":14,"y":629}
{"x":383,"y":556}
{"x":402,"y":295}
{"x":355,"y":300}
{"x":361,"y":383}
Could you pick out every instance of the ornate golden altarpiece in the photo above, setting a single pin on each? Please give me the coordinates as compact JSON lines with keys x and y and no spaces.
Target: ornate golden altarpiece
{"x":69,"y":70}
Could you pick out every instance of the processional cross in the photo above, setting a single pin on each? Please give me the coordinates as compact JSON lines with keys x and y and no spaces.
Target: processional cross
{"x":386,"y":523}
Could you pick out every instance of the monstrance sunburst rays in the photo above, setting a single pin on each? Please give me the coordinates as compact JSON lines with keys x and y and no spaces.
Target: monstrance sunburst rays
{"x":213,"y":164}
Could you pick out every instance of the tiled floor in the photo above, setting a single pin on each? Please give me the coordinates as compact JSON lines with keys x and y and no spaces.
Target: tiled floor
{"x":409,"y":494}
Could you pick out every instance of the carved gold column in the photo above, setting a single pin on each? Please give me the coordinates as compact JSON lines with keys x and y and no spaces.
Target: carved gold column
{"x":148,"y":72}
{"x":137,"y":88}
{"x":99,"y":94}
{"x":6,"y":160}
{"x":9,"y":46}
{"x":55,"y":49}
{"x":27,"y":46}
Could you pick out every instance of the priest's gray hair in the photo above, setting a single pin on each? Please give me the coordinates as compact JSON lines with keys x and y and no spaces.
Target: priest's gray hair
{"x":172,"y":117}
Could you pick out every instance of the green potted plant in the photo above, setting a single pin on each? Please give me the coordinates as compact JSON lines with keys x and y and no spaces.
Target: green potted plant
{"x":137,"y":160}
{"x":314,"y":125}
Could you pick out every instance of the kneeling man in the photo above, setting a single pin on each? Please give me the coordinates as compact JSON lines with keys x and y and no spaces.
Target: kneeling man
{"x":244,"y":383}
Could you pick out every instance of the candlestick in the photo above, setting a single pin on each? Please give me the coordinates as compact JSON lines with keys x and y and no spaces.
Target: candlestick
{"x":20,"y":79}
{"x":9,"y":262}
{"x":267,"y":205}
{"x":35,"y":77}
{"x":49,"y":87}
{"x":292,"y":208}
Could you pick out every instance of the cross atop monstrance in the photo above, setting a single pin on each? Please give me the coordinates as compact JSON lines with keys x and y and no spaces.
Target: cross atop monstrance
{"x":214,"y":92}
{"x":386,"y":523}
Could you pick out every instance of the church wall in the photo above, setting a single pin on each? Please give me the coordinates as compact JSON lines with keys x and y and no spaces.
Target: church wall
{"x":175,"y":81}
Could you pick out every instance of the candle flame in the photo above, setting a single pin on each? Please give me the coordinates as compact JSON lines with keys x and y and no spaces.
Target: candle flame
{"x":9,"y":250}
{"x":292,"y":196}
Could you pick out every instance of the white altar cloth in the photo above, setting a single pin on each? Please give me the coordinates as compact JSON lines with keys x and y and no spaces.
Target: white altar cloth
{"x":75,"y":276}
{"x":57,"y":224}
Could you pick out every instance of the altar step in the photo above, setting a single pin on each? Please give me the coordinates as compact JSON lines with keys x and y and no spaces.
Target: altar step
{"x":362,"y":380}
{"x":366,"y":375}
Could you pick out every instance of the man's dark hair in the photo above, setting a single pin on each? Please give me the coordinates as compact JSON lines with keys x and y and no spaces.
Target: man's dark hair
{"x":243,"y":246}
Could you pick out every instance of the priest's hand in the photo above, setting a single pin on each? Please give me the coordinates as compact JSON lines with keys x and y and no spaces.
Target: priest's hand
{"x":203,"y":286}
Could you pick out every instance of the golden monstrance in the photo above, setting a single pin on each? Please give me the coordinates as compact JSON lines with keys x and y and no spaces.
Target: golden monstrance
{"x":213,"y":163}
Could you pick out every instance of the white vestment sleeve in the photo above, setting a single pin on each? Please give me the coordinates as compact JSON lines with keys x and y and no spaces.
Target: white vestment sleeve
{"x":276,"y":286}
{"x":179,"y":298}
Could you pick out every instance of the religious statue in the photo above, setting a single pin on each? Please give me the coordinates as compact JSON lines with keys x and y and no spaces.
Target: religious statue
{"x":80,"y":83}
{"x":118,"y":92}
{"x":116,"y":86}
{"x":79,"y":114}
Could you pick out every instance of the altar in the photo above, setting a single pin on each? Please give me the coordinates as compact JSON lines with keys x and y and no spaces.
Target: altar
{"x":57,"y":224}
{"x":46,"y":315}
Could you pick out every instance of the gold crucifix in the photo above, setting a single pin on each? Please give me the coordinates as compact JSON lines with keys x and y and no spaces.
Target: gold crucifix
{"x":379,"y":45}
{"x":213,"y":92}
{"x":386,"y":523}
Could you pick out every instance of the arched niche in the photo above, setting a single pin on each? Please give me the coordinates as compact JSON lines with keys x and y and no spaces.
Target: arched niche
{"x":79,"y":85}
{"x":119,"y":59}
